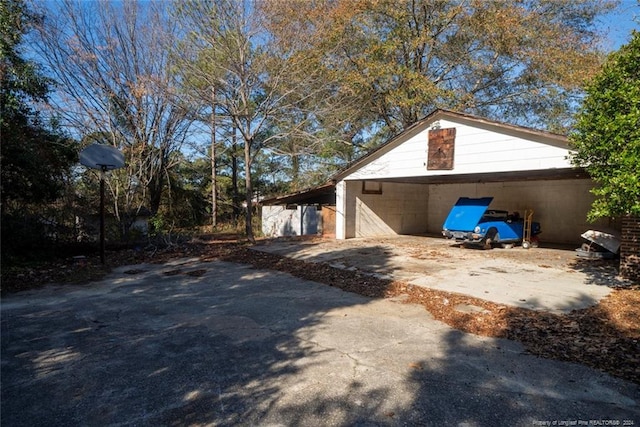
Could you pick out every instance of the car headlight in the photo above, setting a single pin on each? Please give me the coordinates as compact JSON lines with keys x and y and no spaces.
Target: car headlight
{"x":477,"y":229}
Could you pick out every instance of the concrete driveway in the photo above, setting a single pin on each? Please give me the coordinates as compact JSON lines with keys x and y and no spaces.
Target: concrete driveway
{"x":545,"y":279}
{"x":214,"y":343}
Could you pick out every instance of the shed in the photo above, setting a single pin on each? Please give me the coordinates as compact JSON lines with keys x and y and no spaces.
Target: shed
{"x":307,"y":212}
{"x":408,"y":184}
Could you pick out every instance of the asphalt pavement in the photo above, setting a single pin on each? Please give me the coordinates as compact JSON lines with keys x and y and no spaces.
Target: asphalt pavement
{"x":212,"y":343}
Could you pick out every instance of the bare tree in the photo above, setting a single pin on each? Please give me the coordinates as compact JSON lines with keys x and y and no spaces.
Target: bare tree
{"x":111,"y":62}
{"x":251,"y":76}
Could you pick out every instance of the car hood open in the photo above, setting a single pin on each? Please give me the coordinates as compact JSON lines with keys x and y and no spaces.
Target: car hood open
{"x":466,"y":213}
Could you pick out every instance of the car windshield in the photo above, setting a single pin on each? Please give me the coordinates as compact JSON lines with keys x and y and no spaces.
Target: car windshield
{"x":495,"y":215}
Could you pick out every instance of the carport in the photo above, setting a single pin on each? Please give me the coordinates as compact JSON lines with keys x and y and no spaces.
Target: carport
{"x":408,"y":185}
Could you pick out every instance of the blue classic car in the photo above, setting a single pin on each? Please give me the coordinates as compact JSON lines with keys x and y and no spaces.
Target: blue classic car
{"x":472,"y":222}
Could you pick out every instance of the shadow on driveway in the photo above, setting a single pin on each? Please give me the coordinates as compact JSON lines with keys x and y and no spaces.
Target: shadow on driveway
{"x":218,"y":343}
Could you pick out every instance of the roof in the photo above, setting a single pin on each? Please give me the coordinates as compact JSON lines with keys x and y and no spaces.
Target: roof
{"x":323,"y":194}
{"x":521,"y":131}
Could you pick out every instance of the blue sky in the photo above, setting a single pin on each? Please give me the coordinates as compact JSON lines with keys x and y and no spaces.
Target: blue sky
{"x":620,"y":23}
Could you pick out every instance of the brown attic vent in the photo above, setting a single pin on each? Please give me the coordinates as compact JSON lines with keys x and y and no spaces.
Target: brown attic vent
{"x":441,"y":149}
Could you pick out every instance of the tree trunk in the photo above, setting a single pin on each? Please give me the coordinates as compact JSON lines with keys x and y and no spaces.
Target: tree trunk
{"x":235,"y":194}
{"x":249,"y":191}
{"x":295,"y":171}
{"x":155,"y":191}
{"x":214,"y":181}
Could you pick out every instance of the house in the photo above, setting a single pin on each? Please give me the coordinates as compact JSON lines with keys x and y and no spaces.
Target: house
{"x":409,"y":184}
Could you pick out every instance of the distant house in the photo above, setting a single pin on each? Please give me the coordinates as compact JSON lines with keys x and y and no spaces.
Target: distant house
{"x":408,"y":184}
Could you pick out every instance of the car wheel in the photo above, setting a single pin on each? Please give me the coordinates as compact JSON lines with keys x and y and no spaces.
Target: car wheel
{"x":487,"y":243}
{"x":492,"y":236}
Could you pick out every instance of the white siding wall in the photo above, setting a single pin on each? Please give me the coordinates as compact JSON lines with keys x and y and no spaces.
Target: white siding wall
{"x":477,"y":150}
{"x":560,"y":205}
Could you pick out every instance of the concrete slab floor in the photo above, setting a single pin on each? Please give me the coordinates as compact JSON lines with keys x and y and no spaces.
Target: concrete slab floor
{"x":547,"y":279}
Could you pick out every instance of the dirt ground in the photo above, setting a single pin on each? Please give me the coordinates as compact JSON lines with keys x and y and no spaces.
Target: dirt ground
{"x":605,"y":336}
